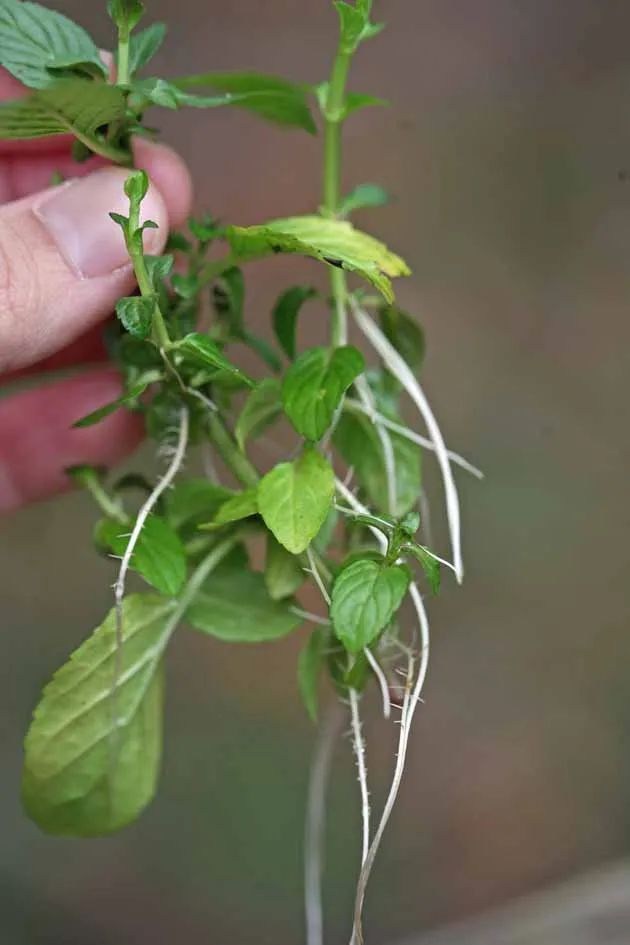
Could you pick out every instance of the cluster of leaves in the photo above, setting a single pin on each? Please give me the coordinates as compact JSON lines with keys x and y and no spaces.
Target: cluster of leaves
{"x":93,"y":750}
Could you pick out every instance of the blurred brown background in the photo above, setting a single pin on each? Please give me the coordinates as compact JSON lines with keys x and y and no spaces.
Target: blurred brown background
{"x":506,"y":145}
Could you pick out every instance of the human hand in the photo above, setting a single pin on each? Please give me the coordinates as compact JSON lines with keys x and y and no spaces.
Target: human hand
{"x":63,"y":266}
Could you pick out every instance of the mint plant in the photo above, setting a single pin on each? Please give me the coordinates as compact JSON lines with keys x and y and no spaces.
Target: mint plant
{"x":342,"y":511}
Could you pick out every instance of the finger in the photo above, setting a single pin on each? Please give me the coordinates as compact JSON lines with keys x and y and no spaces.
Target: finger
{"x":88,"y":349}
{"x":37,"y":442}
{"x":64,"y":264}
{"x":24,"y":174}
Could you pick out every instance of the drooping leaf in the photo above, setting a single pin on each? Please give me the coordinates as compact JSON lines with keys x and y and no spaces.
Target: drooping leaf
{"x":285,"y":316}
{"x":35,"y":39}
{"x":283,"y":572}
{"x":193,"y":501}
{"x":237,"y":507}
{"x":430,"y":565}
{"x":365,"y":597}
{"x":92,"y":760}
{"x":358,"y":441}
{"x":261,"y":409}
{"x":136,"y":314}
{"x":234,"y":606}
{"x":144,"y":45}
{"x":335,"y":242}
{"x":314,"y":387}
{"x":76,"y":106}
{"x":294,"y":499}
{"x":365,"y":195}
{"x":404,"y":333}
{"x":127,"y":400}
{"x":203,"y":351}
{"x":158,"y":556}
{"x":276,"y":100}
{"x":310,"y":665}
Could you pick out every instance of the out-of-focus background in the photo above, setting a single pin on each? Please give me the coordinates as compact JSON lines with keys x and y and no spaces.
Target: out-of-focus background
{"x":507,"y":148}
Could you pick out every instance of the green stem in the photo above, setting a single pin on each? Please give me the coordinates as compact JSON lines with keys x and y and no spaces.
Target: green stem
{"x":110,"y":506}
{"x":334,"y":118}
{"x":229,"y":452}
{"x":136,"y":254}
{"x":123,"y":77}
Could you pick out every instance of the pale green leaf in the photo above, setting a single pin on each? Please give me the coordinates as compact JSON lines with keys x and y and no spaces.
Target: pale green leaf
{"x":158,"y":556}
{"x":366,"y":595}
{"x":276,"y":100}
{"x":92,"y":760}
{"x":261,"y":409}
{"x":192,"y":501}
{"x":285,"y":315}
{"x":144,"y":45}
{"x":130,"y":399}
{"x":314,"y":387}
{"x":335,"y":242}
{"x":295,"y":498}
{"x":239,"y":506}
{"x":310,"y":665}
{"x":34,"y":40}
{"x":358,"y":441}
{"x":234,"y":606}
{"x":76,"y":106}
{"x":203,"y":351}
{"x":430,"y":565}
{"x":283,"y":572}
{"x":362,"y":197}
{"x":136,"y":314}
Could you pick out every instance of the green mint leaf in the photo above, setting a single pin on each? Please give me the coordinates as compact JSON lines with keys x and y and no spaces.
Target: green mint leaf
{"x":261,"y":409}
{"x":187,"y":287}
{"x":88,"y":771}
{"x":76,"y":106}
{"x":430,"y":566}
{"x":271,"y":98}
{"x":136,"y":187}
{"x":34,"y":38}
{"x":295,"y":498}
{"x":229,"y":300}
{"x":237,"y":507}
{"x":193,"y":501}
{"x":200,"y":350}
{"x":314,"y":387}
{"x":129,"y":399}
{"x":263,"y":349}
{"x":159,"y":268}
{"x":354,"y":21}
{"x":283,"y":571}
{"x":156,"y":92}
{"x":365,"y":597}
{"x":355,"y":101}
{"x":310,"y":665}
{"x":326,"y":534}
{"x":363,"y":196}
{"x":158,"y":556}
{"x":358,"y":441}
{"x":136,"y":314}
{"x":285,"y":316}
{"x":404,"y":333}
{"x":122,"y":221}
{"x":126,"y":14}
{"x":144,"y":45}
{"x":234,"y":606}
{"x":410,"y":523}
{"x":335,"y":242}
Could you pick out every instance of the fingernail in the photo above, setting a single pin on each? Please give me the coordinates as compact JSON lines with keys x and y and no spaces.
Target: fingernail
{"x":77,"y":216}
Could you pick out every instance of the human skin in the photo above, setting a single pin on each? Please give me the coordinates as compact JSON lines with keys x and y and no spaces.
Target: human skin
{"x":63,"y":266}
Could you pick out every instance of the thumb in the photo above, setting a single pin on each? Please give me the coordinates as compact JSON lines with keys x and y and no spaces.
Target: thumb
{"x":64,"y":264}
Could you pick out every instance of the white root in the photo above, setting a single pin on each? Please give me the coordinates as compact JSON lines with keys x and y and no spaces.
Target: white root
{"x":358,"y":745}
{"x":401,"y":370}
